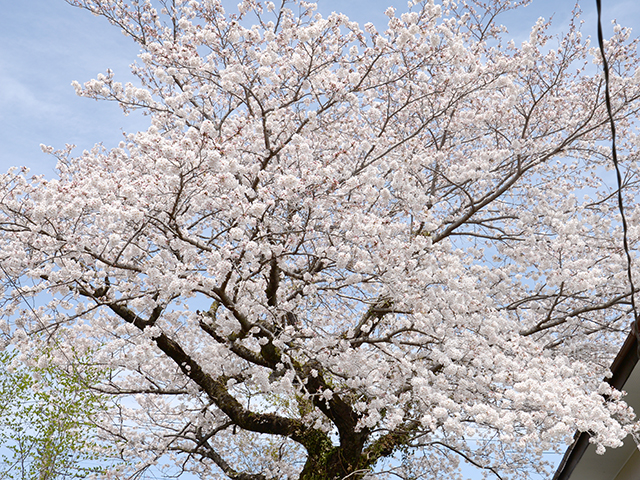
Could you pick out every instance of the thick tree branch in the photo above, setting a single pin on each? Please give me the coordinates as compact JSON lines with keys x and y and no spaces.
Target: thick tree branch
{"x":215,"y":389}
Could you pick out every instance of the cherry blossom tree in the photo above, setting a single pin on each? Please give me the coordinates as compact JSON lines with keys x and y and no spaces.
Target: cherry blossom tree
{"x":338,"y":252}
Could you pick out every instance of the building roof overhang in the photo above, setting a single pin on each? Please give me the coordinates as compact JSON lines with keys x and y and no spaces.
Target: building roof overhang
{"x":581,"y":451}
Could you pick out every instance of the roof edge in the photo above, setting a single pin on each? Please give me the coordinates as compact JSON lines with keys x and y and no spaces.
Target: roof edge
{"x":621,"y":369}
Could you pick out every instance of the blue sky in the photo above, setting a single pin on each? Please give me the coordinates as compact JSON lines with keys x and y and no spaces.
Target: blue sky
{"x":45,"y":44}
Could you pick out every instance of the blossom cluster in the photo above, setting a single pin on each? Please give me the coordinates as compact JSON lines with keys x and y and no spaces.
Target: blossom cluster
{"x":334,"y":242}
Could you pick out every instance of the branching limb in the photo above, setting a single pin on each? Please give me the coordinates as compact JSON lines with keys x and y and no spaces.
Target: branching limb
{"x":216,"y":389}
{"x":209,"y":452}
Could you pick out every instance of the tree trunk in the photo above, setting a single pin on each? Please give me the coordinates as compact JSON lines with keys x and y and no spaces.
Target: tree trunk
{"x":335,"y":464}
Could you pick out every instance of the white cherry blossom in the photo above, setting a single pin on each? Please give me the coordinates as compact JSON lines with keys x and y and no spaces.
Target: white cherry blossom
{"x":337,"y":253}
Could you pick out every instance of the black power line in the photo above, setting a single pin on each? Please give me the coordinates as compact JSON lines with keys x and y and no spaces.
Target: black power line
{"x":614,"y":156}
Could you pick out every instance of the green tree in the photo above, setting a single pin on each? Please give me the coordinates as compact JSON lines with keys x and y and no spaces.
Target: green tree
{"x":45,"y":421}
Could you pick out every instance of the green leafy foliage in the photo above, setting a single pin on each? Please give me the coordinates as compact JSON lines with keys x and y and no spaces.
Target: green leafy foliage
{"x":45,"y":421}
